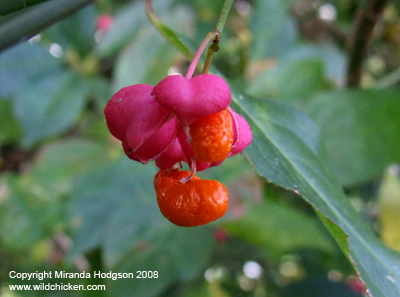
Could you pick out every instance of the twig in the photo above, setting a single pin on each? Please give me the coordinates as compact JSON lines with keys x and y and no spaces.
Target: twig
{"x":213,"y":36}
{"x":359,"y":40}
{"x":192,"y":67}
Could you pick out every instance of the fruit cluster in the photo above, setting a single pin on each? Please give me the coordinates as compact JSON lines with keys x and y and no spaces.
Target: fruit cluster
{"x":181,"y":120}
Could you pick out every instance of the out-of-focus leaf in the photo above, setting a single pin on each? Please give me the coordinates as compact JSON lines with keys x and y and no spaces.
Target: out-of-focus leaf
{"x":286,"y":150}
{"x":20,"y":225}
{"x":150,"y":260}
{"x":361,"y":130}
{"x":274,"y":32}
{"x":30,"y":212}
{"x":279,"y":228}
{"x":23,"y":64}
{"x":33,"y":207}
{"x":137,"y":225}
{"x":176,"y":253}
{"x":334,"y":61}
{"x":30,"y":21}
{"x":169,"y":34}
{"x":128,"y":23}
{"x":190,"y":249}
{"x":317,"y":287}
{"x":8,"y":6}
{"x":100,"y":90}
{"x":101,"y":192}
{"x":65,"y":32}
{"x":291,"y":81}
{"x":389,"y":205}
{"x":146,"y":61}
{"x":115,"y":208}
{"x":50,"y":105}
{"x":10,"y":128}
{"x":60,"y":162}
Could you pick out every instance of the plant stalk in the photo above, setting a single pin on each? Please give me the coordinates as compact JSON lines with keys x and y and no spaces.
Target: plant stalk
{"x":360,"y":38}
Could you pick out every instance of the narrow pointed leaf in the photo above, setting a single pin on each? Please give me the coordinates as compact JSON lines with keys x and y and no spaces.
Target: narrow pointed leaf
{"x":28,"y":22}
{"x":8,"y":6}
{"x":286,"y":151}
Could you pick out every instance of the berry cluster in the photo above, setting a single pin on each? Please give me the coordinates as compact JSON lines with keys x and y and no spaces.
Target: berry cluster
{"x":181,"y":120}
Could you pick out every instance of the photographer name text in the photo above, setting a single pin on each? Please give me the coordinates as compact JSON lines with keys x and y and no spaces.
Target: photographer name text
{"x":96,"y":274}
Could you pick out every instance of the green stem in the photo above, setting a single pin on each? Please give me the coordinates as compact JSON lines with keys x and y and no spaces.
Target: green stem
{"x":151,"y":14}
{"x":213,"y":36}
{"x":224,"y":16}
{"x":214,"y":47}
{"x":360,"y":39}
{"x":199,"y":52}
{"x":169,"y":35}
{"x":210,"y":53}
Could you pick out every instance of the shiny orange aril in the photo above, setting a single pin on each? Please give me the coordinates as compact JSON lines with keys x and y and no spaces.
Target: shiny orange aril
{"x":212,"y":137}
{"x":194,"y":203}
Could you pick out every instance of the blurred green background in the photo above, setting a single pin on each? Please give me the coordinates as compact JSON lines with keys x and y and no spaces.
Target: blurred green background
{"x":70,"y":200}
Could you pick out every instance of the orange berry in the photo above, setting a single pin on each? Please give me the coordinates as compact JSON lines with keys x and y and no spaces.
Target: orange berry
{"x":212,"y":137}
{"x":194,"y":203}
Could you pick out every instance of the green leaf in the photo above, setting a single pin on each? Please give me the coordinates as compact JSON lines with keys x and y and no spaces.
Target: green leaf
{"x":175,"y":39}
{"x":334,"y":60}
{"x":274,"y":32}
{"x":316,"y":287}
{"x":141,"y":221}
{"x":58,"y":163}
{"x":176,"y":253}
{"x":33,"y":209}
{"x":114,"y":207}
{"x":8,"y":6}
{"x":28,"y":22}
{"x":10,"y":128}
{"x":65,"y":32}
{"x":99,"y":88}
{"x":150,"y":260}
{"x":279,"y":228}
{"x":286,"y":151}
{"x":23,"y":64}
{"x":146,"y":61}
{"x":128,"y":22}
{"x":49,"y":106}
{"x":361,"y":131}
{"x":293,"y":80}
{"x":191,"y":249}
{"x":30,"y":212}
{"x":20,"y":224}
{"x":101,"y":192}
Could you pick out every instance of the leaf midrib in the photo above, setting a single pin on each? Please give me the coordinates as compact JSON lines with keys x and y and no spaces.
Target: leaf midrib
{"x":316,"y":191}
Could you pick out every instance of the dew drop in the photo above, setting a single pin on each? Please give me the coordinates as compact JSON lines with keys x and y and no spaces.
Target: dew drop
{"x":240,"y":97}
{"x":119,"y":100}
{"x":56,"y":50}
{"x":276,"y":161}
{"x":252,"y":270}
{"x":327,"y":12}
